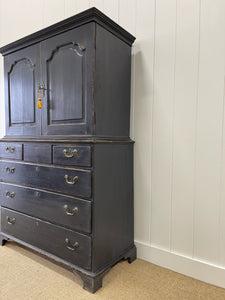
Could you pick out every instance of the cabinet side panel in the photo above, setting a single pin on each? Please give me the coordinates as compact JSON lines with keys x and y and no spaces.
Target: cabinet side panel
{"x":112,"y":84}
{"x":113,"y":202}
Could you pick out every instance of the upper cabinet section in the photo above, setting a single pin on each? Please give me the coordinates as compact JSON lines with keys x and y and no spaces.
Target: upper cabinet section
{"x":83,"y":66}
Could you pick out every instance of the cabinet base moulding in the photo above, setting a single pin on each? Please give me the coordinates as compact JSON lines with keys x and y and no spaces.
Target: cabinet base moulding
{"x":92,"y":281}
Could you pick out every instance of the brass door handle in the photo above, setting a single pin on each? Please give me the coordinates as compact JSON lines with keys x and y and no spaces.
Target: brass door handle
{"x":11,"y":222}
{"x":8,"y":170}
{"x":74,"y":180}
{"x":9,"y":149}
{"x":10,"y":195}
{"x":71,"y":154}
{"x":70,"y":213}
{"x":73,"y":247}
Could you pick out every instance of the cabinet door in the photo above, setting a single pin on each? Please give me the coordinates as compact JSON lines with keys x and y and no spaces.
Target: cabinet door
{"x":21,"y":82}
{"x":68,"y":70}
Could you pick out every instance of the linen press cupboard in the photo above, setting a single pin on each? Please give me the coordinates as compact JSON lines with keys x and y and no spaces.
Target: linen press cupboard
{"x":66,"y":175}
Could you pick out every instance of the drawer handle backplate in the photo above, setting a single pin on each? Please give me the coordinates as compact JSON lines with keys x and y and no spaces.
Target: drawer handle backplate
{"x":11,"y":222}
{"x":71,"y":154}
{"x":70,"y":213}
{"x":74,"y":180}
{"x":73,"y":247}
{"x":9,"y":149}
{"x":10,"y":195}
{"x":8,"y":170}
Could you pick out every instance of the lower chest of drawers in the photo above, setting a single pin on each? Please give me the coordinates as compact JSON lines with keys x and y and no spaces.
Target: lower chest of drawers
{"x":72,"y":202}
{"x":45,"y":195}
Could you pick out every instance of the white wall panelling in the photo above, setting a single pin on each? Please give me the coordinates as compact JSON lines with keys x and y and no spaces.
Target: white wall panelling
{"x":164,"y":65}
{"x":184,"y":124}
{"x":177,"y":121}
{"x":142,"y":118}
{"x":209,"y":131}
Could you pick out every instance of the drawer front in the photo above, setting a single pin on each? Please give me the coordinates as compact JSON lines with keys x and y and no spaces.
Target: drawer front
{"x":71,"y":181}
{"x":11,"y":150}
{"x":38,"y":153}
{"x":74,"y":155}
{"x":64,"y":210}
{"x":64,"y":243}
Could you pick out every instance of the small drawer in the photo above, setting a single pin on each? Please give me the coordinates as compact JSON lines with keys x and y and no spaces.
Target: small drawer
{"x":72,"y":155}
{"x":11,"y":150}
{"x":70,"y":181}
{"x":69,"y":245}
{"x":60,"y":209}
{"x":38,"y":153}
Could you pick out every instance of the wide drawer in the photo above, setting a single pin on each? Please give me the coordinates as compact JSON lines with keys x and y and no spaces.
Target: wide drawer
{"x":71,"y":181}
{"x":39,"y":153}
{"x":64,"y":243}
{"x":60,"y":209}
{"x":11,"y":150}
{"x":74,"y":155}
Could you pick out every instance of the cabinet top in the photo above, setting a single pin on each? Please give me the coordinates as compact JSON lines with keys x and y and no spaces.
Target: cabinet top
{"x":89,"y":15}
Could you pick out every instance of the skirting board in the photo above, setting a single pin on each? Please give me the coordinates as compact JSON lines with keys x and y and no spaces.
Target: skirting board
{"x":191,"y":267}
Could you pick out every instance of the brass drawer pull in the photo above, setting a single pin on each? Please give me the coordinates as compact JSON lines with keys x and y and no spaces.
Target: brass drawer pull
{"x":71,"y":154}
{"x":11,"y":222}
{"x":8,"y":170}
{"x":73,"y":247}
{"x":9,"y":149}
{"x":74,"y":180}
{"x":10,"y":195}
{"x":70,"y":213}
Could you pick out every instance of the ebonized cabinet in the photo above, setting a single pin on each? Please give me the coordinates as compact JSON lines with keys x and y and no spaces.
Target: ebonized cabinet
{"x":66,"y":170}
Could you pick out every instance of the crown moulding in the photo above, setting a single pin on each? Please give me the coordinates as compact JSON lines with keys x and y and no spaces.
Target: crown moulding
{"x":89,"y":15}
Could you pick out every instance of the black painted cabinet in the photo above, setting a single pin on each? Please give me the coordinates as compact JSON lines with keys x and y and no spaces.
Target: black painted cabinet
{"x":66,"y":169}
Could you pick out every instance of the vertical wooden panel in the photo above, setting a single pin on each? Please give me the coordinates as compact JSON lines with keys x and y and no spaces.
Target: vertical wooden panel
{"x":82,"y":5}
{"x":70,"y":8}
{"x":111,"y":9}
{"x":221,"y":255}
{"x":209,"y":131}
{"x":128,"y":13}
{"x":20,"y":18}
{"x":222,"y":193}
{"x":143,"y":97}
{"x":162,"y":122}
{"x":97,"y":3}
{"x":53,"y":11}
{"x":186,"y":77}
